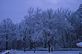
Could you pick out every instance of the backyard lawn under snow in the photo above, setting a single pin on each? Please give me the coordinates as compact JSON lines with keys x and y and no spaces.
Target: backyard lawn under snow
{"x":43,"y":52}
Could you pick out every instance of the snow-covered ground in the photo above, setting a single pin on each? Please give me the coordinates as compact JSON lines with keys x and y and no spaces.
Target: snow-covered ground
{"x":44,"y":52}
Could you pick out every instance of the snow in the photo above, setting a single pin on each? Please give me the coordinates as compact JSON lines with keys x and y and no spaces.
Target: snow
{"x":44,"y":52}
{"x":79,"y":44}
{"x":7,"y":51}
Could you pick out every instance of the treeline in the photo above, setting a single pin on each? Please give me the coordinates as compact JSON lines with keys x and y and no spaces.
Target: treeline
{"x":60,"y":28}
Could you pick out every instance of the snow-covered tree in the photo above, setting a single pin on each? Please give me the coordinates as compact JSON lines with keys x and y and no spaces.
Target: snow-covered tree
{"x":7,"y":31}
{"x":76,"y":21}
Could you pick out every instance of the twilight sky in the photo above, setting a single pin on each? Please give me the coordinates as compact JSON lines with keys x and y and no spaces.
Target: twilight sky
{"x":17,"y":9}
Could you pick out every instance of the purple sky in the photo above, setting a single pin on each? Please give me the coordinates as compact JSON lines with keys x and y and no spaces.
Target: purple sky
{"x":17,"y":9}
